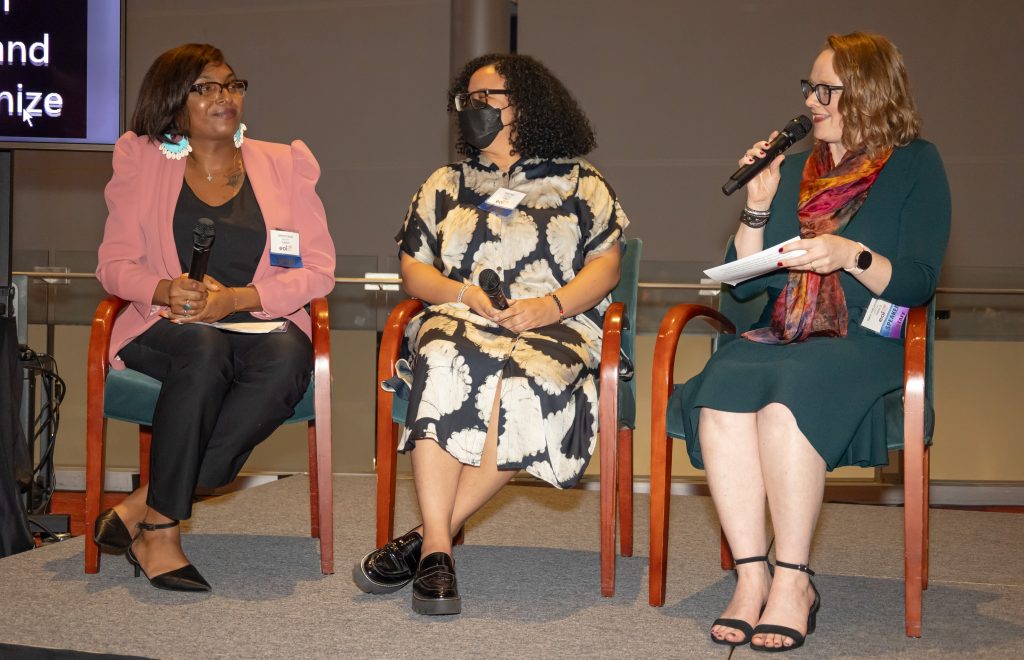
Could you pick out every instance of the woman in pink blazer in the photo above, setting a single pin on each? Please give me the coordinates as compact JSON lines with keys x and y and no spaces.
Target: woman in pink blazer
{"x":223,"y":392}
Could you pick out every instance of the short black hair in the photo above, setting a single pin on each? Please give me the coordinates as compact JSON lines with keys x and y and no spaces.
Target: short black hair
{"x":549,"y":121}
{"x":165,"y":89}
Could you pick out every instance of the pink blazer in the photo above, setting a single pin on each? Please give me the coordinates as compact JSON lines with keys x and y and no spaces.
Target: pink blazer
{"x":138,"y":247}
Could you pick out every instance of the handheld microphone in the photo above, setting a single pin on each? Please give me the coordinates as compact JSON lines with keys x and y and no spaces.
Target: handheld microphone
{"x":793,"y":132}
{"x":491,"y":284}
{"x":202,"y":239}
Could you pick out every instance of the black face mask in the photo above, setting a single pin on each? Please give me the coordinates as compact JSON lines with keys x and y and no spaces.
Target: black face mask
{"x":480,"y":127}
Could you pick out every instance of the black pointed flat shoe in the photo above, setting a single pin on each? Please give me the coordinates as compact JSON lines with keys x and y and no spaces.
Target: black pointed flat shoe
{"x":772,"y":629}
{"x":186,"y":578}
{"x":739,"y":624}
{"x":111,"y":532}
{"x":390,"y":567}
{"x":435,"y":589}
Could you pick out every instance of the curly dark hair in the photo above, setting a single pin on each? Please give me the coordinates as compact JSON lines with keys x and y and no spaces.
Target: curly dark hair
{"x":549,"y":122}
{"x":165,"y":89}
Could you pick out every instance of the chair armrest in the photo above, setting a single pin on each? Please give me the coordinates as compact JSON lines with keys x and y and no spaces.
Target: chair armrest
{"x":321,"y":333}
{"x":914,"y":355}
{"x":611,"y":344}
{"x":99,"y":338}
{"x":668,"y":340}
{"x":321,"y":337}
{"x":391,"y":339}
{"x":97,"y":363}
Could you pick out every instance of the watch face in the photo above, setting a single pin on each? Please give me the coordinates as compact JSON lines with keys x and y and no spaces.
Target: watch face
{"x":864,"y":260}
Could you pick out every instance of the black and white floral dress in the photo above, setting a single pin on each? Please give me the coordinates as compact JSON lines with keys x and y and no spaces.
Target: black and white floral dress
{"x":548,"y":401}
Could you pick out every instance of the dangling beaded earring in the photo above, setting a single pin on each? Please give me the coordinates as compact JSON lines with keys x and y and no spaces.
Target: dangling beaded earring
{"x":175,"y":150}
{"x":240,"y":135}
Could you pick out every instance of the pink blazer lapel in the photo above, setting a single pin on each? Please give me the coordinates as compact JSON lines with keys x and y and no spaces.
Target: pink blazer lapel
{"x":270,"y":185}
{"x":168,"y":188}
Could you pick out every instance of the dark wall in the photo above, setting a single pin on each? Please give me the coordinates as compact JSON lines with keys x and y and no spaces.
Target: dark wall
{"x":361,"y":82}
{"x":676,"y":90}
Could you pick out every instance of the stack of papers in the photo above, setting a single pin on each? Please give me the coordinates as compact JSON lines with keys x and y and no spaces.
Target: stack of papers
{"x":252,"y":327}
{"x":763,"y":262}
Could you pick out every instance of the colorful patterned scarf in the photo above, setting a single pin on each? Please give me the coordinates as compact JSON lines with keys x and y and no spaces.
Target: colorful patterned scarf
{"x":813,"y":304}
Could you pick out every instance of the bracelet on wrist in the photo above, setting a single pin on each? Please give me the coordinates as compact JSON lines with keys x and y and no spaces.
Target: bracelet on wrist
{"x":462,"y":292}
{"x":754,"y":219}
{"x":561,"y":310}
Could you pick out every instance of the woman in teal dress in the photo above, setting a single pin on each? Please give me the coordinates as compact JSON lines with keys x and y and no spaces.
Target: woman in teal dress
{"x":800,"y":392}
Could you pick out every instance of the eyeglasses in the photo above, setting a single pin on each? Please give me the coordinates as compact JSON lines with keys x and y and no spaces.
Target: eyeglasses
{"x":822,"y":91}
{"x":477,"y":100}
{"x":213,"y":88}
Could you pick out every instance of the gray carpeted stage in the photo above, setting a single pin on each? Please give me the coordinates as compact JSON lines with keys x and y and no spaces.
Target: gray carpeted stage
{"x":529,"y":581}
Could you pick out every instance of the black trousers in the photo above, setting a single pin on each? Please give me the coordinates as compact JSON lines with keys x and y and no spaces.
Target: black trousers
{"x":223,"y":393}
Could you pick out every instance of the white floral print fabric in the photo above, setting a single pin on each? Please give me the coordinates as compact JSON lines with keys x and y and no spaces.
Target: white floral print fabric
{"x":547,"y":422}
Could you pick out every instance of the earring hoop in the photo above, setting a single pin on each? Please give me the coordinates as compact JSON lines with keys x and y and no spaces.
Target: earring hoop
{"x":175,"y":150}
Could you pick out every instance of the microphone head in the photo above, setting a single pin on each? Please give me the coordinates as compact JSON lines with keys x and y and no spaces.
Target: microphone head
{"x":203,"y":233}
{"x":489,"y":281}
{"x":798,"y":127}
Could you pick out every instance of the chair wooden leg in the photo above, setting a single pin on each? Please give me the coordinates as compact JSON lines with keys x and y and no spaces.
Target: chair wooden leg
{"x":727,"y":560}
{"x":913,"y":534}
{"x":927,"y":513}
{"x":626,"y":492}
{"x":314,"y":486}
{"x":608,"y":440}
{"x":145,"y":443}
{"x":96,"y":433}
{"x":661,"y":471}
{"x":387,"y":448}
{"x":324,"y":477}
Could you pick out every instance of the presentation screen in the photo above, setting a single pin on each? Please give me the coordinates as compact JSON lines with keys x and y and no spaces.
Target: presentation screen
{"x":61,"y":76}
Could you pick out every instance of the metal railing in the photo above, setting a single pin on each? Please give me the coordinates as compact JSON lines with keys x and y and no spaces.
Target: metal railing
{"x":707,"y":286}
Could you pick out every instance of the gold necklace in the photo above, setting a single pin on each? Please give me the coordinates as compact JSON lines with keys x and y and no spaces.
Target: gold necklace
{"x":209,"y":175}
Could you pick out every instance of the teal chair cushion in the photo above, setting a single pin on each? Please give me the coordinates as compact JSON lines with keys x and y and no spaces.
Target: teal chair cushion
{"x":399,"y":408}
{"x":130,"y":396}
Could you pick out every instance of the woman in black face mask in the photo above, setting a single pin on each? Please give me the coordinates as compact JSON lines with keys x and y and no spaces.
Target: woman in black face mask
{"x":498,"y":389}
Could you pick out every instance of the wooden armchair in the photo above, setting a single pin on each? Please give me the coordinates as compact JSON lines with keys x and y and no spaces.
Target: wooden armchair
{"x":130,"y":396}
{"x":910,"y":432}
{"x":616,"y":417}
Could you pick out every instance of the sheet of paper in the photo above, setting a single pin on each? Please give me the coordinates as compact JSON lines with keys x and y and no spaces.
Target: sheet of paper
{"x":743,"y":269}
{"x":252,"y":327}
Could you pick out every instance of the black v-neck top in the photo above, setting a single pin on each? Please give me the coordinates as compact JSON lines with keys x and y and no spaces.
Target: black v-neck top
{"x":241,"y":236}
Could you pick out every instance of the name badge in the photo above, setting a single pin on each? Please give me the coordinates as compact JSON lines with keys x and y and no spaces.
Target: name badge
{"x":503,"y":202}
{"x":284,"y":249}
{"x":885,"y":318}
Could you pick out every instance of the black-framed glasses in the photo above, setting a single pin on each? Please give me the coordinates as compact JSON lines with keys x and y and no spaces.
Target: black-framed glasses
{"x":822,"y":91}
{"x":213,"y":88}
{"x":477,"y":99}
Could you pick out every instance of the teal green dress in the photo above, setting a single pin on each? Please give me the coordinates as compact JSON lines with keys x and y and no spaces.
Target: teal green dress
{"x":834,"y":385}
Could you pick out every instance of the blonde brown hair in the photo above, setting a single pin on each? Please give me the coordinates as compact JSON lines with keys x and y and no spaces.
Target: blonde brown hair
{"x":877,"y":108}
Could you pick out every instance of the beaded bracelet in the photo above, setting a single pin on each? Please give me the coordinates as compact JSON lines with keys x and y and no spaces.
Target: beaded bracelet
{"x":754,"y":219}
{"x":462,"y":292}
{"x":561,"y":310}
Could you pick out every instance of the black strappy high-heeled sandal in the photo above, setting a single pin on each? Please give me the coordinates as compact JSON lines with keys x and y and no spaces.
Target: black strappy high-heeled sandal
{"x":186,"y":578}
{"x":772,"y":629}
{"x":111,"y":532}
{"x":740,"y":624}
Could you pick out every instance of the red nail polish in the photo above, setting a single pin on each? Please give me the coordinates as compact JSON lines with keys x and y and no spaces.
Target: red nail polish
{"x":780,"y":263}
{"x":780,"y":250}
